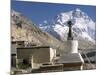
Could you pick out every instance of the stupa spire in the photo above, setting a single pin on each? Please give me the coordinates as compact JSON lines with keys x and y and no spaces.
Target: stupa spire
{"x":70,"y":35}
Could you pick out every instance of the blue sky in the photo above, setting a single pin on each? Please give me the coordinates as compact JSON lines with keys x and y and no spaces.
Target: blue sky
{"x":39,"y":12}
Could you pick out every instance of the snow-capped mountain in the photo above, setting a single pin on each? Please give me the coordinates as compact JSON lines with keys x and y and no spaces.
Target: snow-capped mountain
{"x":83,"y":26}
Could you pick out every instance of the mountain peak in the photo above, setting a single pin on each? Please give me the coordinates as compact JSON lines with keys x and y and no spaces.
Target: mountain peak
{"x":78,"y":13}
{"x":78,"y":10}
{"x":83,"y":27}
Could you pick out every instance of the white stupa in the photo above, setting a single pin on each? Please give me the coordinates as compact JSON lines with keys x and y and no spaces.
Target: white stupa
{"x":72,"y":44}
{"x":71,"y":56}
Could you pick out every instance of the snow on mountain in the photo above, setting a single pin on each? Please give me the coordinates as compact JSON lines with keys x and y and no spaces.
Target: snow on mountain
{"x":83,"y":26}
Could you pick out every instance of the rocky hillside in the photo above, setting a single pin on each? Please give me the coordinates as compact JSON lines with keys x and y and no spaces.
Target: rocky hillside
{"x":22,"y":29}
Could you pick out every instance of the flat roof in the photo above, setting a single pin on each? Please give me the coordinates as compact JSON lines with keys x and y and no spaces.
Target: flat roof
{"x":33,"y":47}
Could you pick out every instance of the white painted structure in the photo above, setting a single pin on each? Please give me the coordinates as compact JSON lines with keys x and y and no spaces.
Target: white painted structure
{"x":71,"y":56}
{"x":72,"y":61}
{"x":72,"y":46}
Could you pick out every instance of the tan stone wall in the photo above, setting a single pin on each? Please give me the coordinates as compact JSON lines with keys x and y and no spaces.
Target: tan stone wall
{"x":24,"y":53}
{"x":40,"y":55}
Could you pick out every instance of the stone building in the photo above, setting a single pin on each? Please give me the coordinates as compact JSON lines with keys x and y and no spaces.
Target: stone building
{"x":35,"y":56}
{"x":14,"y":45}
